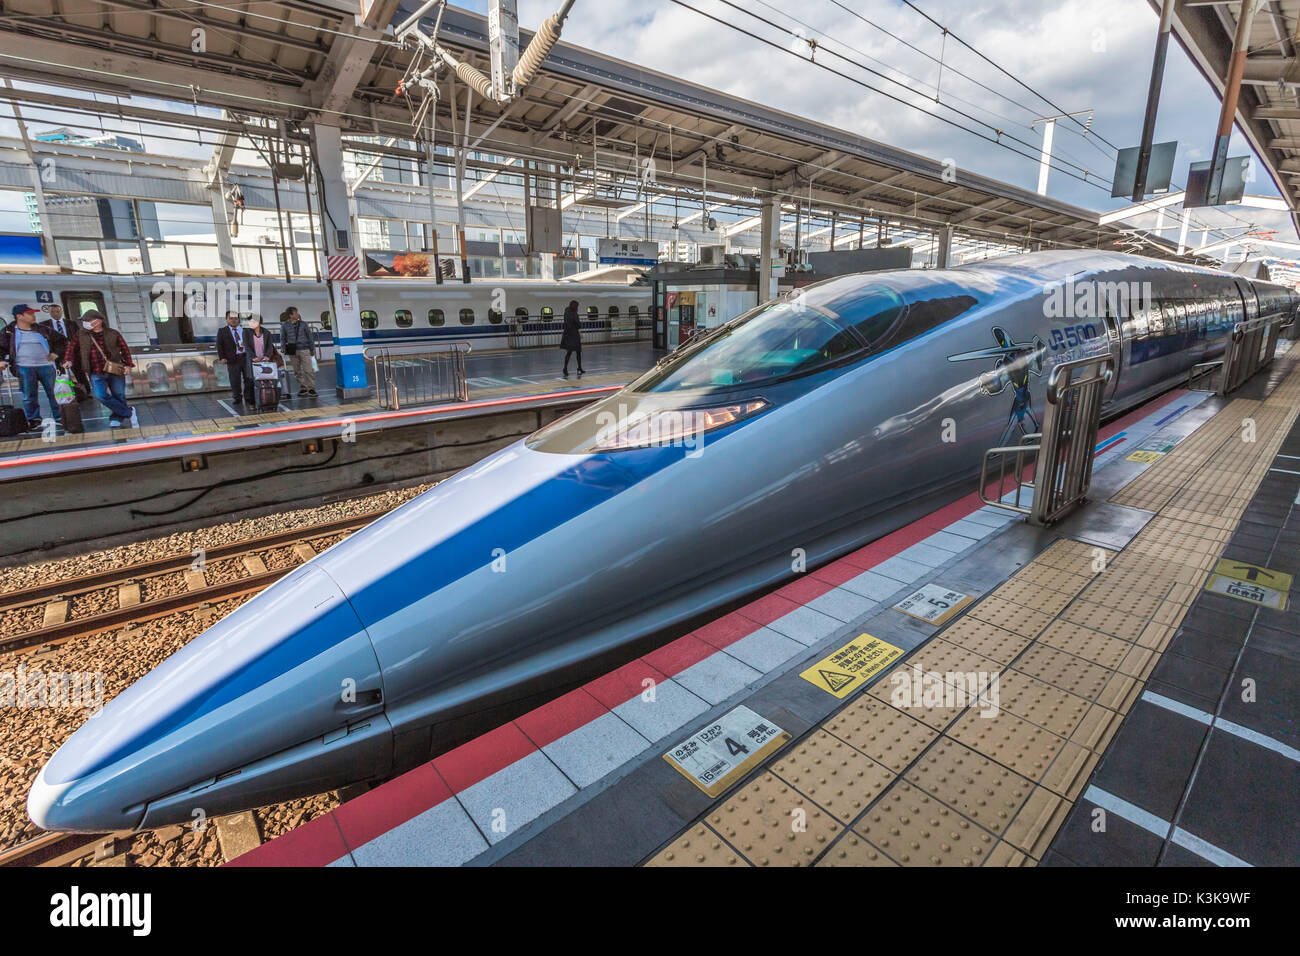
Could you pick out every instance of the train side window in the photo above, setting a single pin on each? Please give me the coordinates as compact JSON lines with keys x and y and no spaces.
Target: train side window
{"x":613,"y":312}
{"x":466,"y":316}
{"x":634,"y":312}
{"x":593,"y":312}
{"x":521,"y":314}
{"x":403,"y":318}
{"x":437,"y":317}
{"x":547,"y":313}
{"x":326,"y":321}
{"x":369,"y":319}
{"x":494,"y":316}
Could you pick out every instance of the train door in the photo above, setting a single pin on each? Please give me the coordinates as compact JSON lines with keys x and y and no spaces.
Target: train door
{"x":169,"y":328}
{"x":1111,"y":315}
{"x":77,"y":304}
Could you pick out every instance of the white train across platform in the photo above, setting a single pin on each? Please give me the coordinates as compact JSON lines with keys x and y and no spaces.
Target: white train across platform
{"x":175,"y":312}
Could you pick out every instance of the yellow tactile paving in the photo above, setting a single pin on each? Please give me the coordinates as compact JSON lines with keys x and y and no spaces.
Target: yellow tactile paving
{"x":1016,"y":618}
{"x":1071,"y":639}
{"x":1010,"y":740}
{"x":1039,"y":703}
{"x":883,"y":733}
{"x":853,"y":850}
{"x":986,"y":639}
{"x":970,"y":783}
{"x":772,"y":824}
{"x":699,"y":846}
{"x":835,"y":775}
{"x":915,"y":829}
{"x":1033,"y":596}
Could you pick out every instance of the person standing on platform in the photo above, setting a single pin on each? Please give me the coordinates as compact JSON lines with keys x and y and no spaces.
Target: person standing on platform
{"x":61,"y":330}
{"x":571,"y":337}
{"x":232,"y":348}
{"x":297,"y":341}
{"x":25,"y":346}
{"x":103,"y":356}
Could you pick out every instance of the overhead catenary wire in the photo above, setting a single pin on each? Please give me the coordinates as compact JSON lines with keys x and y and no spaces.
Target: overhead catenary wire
{"x":1006,"y":72}
{"x":548,"y":154}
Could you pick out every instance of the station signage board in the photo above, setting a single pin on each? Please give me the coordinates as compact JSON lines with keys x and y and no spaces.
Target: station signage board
{"x":720,"y":754}
{"x":628,"y":252}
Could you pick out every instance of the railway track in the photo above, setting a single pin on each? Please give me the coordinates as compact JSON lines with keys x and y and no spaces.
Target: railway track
{"x":53,"y":601}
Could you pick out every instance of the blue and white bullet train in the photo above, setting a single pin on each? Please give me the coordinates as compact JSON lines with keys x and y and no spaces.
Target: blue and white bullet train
{"x":813,"y":422}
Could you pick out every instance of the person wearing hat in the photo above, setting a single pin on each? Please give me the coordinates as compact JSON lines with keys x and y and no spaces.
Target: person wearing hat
{"x":101,"y":353}
{"x":25,"y":347}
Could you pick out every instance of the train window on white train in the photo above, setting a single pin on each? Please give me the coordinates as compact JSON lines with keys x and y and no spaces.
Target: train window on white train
{"x":495,"y":317}
{"x":325,"y":321}
{"x":466,"y":316}
{"x":521,"y":314}
{"x":634,"y":311}
{"x":547,"y":313}
{"x":437,"y":317}
{"x":403,"y":318}
{"x":613,"y":312}
{"x":369,"y":319}
{"x":593,"y":312}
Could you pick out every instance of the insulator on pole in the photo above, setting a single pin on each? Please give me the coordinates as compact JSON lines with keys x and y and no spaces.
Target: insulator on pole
{"x":530,"y":62}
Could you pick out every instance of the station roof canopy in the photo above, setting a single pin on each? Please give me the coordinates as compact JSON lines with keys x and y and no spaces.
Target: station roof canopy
{"x":337,"y":61}
{"x":1268,"y":107}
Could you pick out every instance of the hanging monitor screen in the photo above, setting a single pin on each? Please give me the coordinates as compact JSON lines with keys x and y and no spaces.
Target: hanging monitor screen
{"x":1160,"y":169}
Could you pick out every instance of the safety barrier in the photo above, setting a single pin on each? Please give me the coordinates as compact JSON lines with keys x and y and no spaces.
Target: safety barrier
{"x":539,"y":331}
{"x":1062,"y":452}
{"x":1250,"y":347}
{"x":419,"y":374}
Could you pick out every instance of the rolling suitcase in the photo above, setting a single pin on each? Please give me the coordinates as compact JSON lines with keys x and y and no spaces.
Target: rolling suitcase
{"x":266,"y":385}
{"x":13,"y":420}
{"x":70,"y":413}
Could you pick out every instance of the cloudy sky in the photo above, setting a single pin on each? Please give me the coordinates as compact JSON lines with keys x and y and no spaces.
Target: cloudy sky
{"x":1079,"y":54}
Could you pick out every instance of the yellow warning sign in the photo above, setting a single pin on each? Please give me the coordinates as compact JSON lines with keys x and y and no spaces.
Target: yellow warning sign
{"x":1254,"y":574}
{"x":1146,"y":456}
{"x":852,"y":665}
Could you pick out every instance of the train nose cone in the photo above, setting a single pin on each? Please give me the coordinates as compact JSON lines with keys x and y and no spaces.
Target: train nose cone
{"x":216,"y":726}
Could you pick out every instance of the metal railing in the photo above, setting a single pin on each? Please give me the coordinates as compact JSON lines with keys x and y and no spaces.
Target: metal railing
{"x":1250,"y":348}
{"x":419,"y":374}
{"x":541,"y":331}
{"x":1064,"y":451}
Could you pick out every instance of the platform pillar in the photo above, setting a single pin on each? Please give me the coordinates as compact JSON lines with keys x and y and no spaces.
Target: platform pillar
{"x":340,"y":240}
{"x":944,"y":249}
{"x":771,"y":266}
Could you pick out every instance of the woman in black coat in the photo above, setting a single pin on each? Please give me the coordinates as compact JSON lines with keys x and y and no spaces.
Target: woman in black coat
{"x":571,"y":337}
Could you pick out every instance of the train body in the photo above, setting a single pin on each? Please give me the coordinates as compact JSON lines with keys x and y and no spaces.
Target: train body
{"x":810,"y":425}
{"x":181,"y":311}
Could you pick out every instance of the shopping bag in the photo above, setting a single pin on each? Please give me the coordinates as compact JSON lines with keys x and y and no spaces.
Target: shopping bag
{"x":315,"y":366}
{"x":65,"y":388}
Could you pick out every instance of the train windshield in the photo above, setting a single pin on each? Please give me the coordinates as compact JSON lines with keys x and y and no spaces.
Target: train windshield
{"x":779,"y":340}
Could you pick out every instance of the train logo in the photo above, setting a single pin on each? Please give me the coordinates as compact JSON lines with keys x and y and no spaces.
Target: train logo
{"x":1014,"y":363}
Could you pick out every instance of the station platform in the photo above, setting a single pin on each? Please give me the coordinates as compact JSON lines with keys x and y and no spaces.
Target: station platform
{"x":970,"y":690}
{"x":208,"y":422}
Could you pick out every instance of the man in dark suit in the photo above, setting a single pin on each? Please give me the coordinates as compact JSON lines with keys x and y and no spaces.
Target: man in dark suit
{"x":232,"y":348}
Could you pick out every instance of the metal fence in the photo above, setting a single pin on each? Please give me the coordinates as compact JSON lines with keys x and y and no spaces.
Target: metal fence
{"x":1064,"y":449}
{"x":540,"y":331}
{"x":1250,"y":347}
{"x":419,"y":374}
